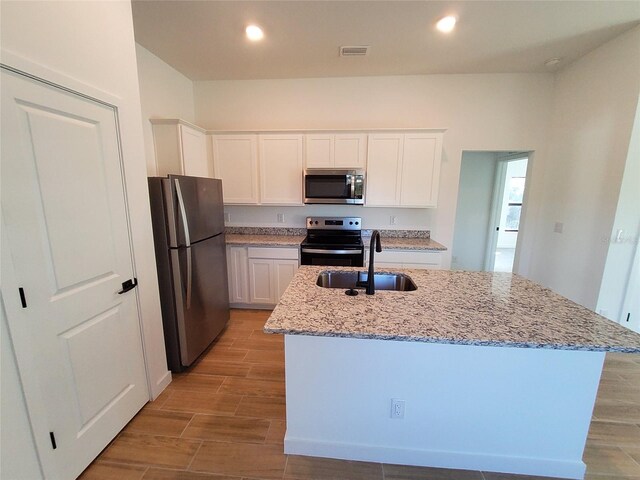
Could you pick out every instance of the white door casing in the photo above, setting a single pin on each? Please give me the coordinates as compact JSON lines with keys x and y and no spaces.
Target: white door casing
{"x":66,"y":237}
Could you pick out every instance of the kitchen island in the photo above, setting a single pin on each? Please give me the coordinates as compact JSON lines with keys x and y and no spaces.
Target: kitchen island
{"x":496,"y":372}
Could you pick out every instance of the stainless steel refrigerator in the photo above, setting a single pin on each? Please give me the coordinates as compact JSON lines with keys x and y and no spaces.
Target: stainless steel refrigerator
{"x":188,"y":229}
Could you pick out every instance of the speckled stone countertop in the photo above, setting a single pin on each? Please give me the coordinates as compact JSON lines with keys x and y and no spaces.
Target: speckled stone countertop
{"x":469,"y":308}
{"x":399,"y":243}
{"x":264,"y":240}
{"x":291,"y":237}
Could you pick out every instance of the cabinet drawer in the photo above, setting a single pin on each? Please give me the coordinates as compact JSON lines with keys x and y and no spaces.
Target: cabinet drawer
{"x":273,"y":252}
{"x":407,"y":257}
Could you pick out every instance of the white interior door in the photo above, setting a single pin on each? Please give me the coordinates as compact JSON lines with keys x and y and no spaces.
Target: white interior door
{"x":66,"y":245}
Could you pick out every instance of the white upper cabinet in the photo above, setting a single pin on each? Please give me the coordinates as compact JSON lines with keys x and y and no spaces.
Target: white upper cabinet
{"x":235,"y":160}
{"x":403,"y":170}
{"x":420,"y":174}
{"x":340,"y":150}
{"x":280,"y":169}
{"x":181,"y":149}
{"x":383,"y":168}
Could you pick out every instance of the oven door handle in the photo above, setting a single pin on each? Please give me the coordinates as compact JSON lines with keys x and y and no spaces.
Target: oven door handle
{"x":331,"y":252}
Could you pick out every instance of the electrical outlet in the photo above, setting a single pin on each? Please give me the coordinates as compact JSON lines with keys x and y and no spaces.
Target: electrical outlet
{"x":281,"y":218}
{"x":557,"y":228}
{"x":227,"y":217}
{"x":392,"y":220}
{"x":397,"y":408}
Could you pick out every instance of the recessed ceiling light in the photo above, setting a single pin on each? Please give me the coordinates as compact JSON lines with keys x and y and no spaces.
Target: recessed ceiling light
{"x":446,"y":24}
{"x":254,"y":33}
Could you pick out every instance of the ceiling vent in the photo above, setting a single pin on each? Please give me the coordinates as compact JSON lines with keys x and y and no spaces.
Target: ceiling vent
{"x":354,"y":51}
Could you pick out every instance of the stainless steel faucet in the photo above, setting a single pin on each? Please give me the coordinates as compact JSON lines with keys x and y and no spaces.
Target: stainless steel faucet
{"x":370,"y":282}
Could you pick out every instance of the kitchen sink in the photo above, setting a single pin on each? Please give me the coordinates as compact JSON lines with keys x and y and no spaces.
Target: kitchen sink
{"x":383,"y":281}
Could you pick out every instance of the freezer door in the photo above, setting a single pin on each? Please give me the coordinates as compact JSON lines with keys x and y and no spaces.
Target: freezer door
{"x":202,"y":295}
{"x":196,"y":208}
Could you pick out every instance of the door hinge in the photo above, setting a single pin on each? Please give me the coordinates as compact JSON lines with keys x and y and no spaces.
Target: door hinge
{"x":53,"y":440}
{"x":23,"y":298}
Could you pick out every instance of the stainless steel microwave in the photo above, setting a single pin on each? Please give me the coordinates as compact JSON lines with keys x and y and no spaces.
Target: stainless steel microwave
{"x":334,"y":186}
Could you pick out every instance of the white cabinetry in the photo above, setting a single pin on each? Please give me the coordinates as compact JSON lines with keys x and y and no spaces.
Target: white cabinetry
{"x":403,"y":170}
{"x":181,"y":149}
{"x":235,"y":160}
{"x":421,"y":259}
{"x":238,"y":270}
{"x":340,"y":150}
{"x":258,"y":276}
{"x":280,"y":158}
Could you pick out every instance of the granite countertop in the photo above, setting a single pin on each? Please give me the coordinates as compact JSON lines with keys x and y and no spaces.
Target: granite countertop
{"x":264,"y":240}
{"x":291,"y":237}
{"x":399,"y":243}
{"x":455,"y":307}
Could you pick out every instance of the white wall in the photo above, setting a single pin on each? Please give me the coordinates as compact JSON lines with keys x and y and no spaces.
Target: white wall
{"x":593,"y":110}
{"x":90,"y":46}
{"x":475,"y":192}
{"x":164,"y":93}
{"x":481,"y":112}
{"x":621,"y":253}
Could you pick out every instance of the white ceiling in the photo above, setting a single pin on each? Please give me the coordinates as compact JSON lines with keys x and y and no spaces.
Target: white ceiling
{"x":205,"y":39}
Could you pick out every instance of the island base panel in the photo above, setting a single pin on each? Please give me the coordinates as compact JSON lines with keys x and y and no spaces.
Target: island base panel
{"x":499,"y":409}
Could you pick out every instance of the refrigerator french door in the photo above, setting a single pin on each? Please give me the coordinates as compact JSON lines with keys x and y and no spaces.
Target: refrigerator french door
{"x":188,"y":230}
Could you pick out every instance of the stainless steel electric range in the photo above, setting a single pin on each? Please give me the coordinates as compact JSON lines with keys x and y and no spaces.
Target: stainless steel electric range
{"x":333,"y":241}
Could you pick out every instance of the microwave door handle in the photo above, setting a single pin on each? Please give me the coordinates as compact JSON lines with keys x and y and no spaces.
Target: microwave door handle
{"x":352,"y":178}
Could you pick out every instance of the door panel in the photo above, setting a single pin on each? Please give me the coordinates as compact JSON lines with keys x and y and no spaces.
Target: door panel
{"x":207,"y":311}
{"x":260,"y":283}
{"x":194,"y":152}
{"x":65,"y":221}
{"x":203,"y":207}
{"x":418,"y":170}
{"x":285,"y":270}
{"x":383,"y":164}
{"x":100,"y":376}
{"x":235,"y":160}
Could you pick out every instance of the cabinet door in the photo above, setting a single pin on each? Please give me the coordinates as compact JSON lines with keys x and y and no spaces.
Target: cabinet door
{"x":238,"y":265}
{"x":194,"y":152}
{"x":319,"y":151}
{"x":281,"y":169}
{"x":420,"y":170}
{"x":284,"y":270}
{"x":235,"y":160}
{"x":383,"y":164}
{"x":261,"y":288}
{"x":350,"y":150}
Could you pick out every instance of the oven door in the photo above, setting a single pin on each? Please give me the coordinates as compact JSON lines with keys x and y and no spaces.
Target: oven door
{"x":337,"y":257}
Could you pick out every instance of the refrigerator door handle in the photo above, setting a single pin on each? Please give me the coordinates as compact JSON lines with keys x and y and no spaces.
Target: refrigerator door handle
{"x":189,"y":276}
{"x":183,"y":215}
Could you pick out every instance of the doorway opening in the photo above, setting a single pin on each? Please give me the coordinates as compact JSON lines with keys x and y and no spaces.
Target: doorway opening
{"x":491,"y":196}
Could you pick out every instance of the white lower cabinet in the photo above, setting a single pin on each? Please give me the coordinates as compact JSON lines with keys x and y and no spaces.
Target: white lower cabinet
{"x":419,"y":259}
{"x":260,"y":275}
{"x":238,"y":271}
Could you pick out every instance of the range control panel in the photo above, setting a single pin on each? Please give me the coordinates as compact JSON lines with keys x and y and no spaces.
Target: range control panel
{"x":334,"y":223}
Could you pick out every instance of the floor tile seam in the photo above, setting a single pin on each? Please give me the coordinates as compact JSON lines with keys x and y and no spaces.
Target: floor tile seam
{"x":629,"y":456}
{"x":286,"y":463}
{"x":187,"y":425}
{"x":234,"y":441}
{"x":195,"y":455}
{"x":144,"y":465}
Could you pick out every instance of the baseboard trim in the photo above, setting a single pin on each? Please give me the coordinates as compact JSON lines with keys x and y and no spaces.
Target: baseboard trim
{"x":441,"y":459}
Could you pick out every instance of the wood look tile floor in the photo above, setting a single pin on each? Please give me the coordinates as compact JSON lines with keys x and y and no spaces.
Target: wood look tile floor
{"x":225,"y":420}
